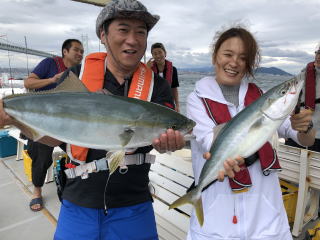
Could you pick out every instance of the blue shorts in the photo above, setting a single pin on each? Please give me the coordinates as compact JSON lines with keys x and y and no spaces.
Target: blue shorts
{"x":126,"y":223}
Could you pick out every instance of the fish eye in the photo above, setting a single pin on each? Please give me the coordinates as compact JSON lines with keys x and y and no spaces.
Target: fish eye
{"x":283,"y":92}
{"x":174,"y":127}
{"x":128,"y":130}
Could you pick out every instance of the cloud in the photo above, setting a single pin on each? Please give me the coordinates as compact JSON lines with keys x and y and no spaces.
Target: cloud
{"x":287,"y":30}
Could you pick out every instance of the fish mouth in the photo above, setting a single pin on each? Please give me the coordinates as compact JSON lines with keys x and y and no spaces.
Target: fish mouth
{"x":293,"y":88}
{"x":289,"y":95}
{"x":296,"y":84}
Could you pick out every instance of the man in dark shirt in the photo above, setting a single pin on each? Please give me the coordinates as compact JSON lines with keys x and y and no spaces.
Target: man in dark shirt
{"x":44,"y":77}
{"x":121,"y":209}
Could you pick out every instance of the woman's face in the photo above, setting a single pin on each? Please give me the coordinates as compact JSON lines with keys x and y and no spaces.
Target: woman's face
{"x":158,"y":55}
{"x":230,"y":62}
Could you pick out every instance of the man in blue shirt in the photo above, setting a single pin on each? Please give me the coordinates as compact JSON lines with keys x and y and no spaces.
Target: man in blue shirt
{"x":45,"y":77}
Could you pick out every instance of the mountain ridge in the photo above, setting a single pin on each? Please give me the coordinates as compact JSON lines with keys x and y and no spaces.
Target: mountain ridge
{"x":262,"y":70}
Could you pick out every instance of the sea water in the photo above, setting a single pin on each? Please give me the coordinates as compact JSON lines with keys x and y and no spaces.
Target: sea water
{"x":187,"y":82}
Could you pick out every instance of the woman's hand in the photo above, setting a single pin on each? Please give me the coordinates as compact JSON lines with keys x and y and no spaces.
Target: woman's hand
{"x":150,"y":63}
{"x":230,"y":166}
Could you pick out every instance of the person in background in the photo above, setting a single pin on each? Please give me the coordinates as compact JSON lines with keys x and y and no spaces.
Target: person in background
{"x":310,"y":99}
{"x":123,"y":210}
{"x":45,"y":77}
{"x":256,"y":212}
{"x":160,"y":65}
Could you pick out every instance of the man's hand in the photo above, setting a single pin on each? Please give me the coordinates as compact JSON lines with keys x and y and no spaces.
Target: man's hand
{"x":56,"y":77}
{"x":301,"y":121}
{"x":169,"y":141}
{"x":5,"y":119}
{"x":230,"y":166}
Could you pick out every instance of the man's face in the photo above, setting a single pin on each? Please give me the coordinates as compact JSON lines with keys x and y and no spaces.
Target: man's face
{"x":126,"y":43}
{"x":75,"y":53}
{"x":317,"y":60}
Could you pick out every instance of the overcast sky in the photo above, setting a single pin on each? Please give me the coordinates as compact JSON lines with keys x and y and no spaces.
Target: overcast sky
{"x":287,"y":30}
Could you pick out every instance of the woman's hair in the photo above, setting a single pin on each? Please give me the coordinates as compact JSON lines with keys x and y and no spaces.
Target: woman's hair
{"x":158,"y":45}
{"x":252,"y":52}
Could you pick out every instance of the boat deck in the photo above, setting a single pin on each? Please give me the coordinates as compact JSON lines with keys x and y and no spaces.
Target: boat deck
{"x":16,"y":219}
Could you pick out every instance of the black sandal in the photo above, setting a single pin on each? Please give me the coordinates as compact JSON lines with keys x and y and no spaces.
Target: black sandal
{"x":35,"y":201}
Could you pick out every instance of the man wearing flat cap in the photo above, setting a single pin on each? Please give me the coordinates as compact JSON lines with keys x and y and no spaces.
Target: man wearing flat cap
{"x":120,"y":207}
{"x":311,"y":99}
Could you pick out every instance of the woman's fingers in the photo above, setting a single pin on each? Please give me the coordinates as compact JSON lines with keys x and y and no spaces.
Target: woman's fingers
{"x":231,"y":166}
{"x":207,"y":155}
{"x":221,"y":176}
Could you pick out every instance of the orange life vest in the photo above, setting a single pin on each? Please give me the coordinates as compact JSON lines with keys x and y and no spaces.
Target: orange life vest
{"x":141,"y":87}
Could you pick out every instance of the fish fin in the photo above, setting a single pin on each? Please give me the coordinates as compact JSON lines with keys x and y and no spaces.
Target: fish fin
{"x":115,"y":159}
{"x":199,"y":211}
{"x":256,"y":125}
{"x":216,"y":130}
{"x":35,"y":136}
{"x":104,"y":91}
{"x":70,"y":84}
{"x":193,"y":197}
{"x":274,"y":141}
{"x":126,"y":136}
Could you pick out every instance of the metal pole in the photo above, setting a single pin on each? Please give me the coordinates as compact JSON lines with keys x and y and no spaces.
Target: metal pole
{"x":25,"y":42}
{"x":87,"y":44}
{"x":10,"y":70}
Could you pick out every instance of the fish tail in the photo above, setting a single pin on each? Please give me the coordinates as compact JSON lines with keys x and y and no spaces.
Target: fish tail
{"x":114,"y":160}
{"x":193,"y":197}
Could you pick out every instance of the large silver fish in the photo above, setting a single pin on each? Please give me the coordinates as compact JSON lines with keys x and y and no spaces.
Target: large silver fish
{"x":93,"y":120}
{"x":245,"y":134}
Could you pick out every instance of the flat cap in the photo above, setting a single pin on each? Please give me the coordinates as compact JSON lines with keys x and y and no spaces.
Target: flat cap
{"x":126,"y":9}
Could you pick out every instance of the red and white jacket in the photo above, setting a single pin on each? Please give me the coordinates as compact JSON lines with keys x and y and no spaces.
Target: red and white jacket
{"x":260,"y":211}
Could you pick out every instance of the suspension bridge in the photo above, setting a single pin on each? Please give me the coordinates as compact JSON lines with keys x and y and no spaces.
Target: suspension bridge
{"x":20,"y":49}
